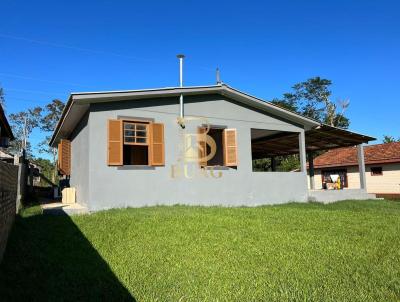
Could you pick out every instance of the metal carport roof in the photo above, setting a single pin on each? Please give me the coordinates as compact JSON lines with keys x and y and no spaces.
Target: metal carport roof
{"x":323,"y":137}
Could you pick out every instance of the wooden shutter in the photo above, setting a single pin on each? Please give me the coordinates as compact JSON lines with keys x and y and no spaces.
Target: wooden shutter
{"x":59,"y":154}
{"x":230,"y":147}
{"x":64,"y":157}
{"x":156,"y":146}
{"x":114,"y":143}
{"x":202,"y":144}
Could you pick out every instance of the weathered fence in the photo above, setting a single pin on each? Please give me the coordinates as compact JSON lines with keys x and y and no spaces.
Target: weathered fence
{"x":8,"y":201}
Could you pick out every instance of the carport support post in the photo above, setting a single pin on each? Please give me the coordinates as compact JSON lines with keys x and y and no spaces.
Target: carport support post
{"x":302,"y":152}
{"x":273,"y":164}
{"x":311,"y":169}
{"x":361,"y":166}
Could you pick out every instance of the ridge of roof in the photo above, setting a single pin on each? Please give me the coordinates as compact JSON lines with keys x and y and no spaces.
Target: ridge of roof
{"x":144,"y":90}
{"x":397,"y":144}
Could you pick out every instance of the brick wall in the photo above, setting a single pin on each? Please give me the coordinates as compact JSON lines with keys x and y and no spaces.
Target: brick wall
{"x":8,"y":198}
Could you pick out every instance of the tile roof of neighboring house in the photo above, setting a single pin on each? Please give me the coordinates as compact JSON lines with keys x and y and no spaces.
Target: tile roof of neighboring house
{"x":374,"y":154}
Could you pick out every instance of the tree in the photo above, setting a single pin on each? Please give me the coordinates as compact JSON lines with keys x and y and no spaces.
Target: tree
{"x":46,"y":169}
{"x":390,"y":139}
{"x":48,"y":122}
{"x":283,"y":163}
{"x":53,"y":112}
{"x":312,"y":99}
{"x":262,"y":164}
{"x":289,"y":163}
{"x":22,"y":124}
{"x":288,"y":102}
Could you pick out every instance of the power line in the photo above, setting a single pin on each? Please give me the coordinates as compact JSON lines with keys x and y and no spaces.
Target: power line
{"x":16,"y":76}
{"x":35,"y":91}
{"x":9,"y":99}
{"x":74,"y":47}
{"x":77,"y":48}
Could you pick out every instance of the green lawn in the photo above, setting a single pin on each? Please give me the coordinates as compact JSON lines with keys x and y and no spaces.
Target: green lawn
{"x":348,"y":251}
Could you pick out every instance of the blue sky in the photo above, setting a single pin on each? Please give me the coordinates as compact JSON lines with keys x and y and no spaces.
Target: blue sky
{"x":51,"y":48}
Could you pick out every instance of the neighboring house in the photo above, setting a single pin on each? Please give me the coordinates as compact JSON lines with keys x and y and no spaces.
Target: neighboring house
{"x":34,"y":171}
{"x":6,"y":134}
{"x":134,"y":148}
{"x":382,"y":168}
{"x":8,"y":158}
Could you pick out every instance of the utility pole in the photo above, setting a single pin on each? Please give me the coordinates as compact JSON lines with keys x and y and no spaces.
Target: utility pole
{"x":25,"y":131}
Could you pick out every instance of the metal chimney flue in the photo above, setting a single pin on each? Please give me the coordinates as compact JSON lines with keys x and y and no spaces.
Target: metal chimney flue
{"x":218,"y":75}
{"x":180,"y":57}
{"x":181,"y":111}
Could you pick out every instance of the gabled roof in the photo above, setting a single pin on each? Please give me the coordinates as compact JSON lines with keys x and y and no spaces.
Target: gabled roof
{"x":374,"y":154}
{"x":5,"y":125}
{"x":78,"y":104}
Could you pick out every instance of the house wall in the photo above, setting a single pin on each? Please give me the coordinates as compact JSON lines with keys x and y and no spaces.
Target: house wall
{"x":141,"y":186}
{"x":388,"y":183}
{"x":80,"y":160}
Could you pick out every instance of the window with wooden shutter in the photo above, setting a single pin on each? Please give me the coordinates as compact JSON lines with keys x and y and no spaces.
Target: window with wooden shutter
{"x":64,"y":157}
{"x":157,"y":144}
{"x":230,"y":147}
{"x":115,"y":143}
{"x":202,"y":145}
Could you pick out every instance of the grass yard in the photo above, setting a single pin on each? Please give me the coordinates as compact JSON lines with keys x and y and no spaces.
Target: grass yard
{"x":347,"y":251}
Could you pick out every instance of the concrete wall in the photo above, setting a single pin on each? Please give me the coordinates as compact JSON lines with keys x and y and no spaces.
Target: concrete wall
{"x":139,"y":186}
{"x":388,"y":183}
{"x":327,"y":196}
{"x":80,"y":147}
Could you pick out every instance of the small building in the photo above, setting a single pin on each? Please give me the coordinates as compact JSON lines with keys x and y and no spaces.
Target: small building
{"x":186,"y":145}
{"x":382,"y":169}
{"x":7,"y":157}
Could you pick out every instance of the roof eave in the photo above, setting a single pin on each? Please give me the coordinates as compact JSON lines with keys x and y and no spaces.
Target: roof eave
{"x":7,"y":126}
{"x":60,"y":121}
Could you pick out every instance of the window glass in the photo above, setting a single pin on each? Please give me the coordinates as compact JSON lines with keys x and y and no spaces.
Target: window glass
{"x":376,"y":171}
{"x":135,"y":133}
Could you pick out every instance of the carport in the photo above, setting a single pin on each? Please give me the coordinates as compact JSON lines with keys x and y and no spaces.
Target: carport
{"x":321,"y":138}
